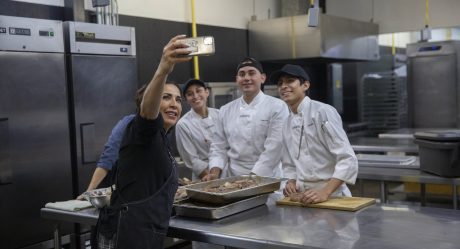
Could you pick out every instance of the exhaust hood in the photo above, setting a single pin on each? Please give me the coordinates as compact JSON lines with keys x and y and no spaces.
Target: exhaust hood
{"x":335,"y":38}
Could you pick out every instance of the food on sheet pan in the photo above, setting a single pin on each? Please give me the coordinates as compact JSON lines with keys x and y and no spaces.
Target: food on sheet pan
{"x":98,"y":192}
{"x":185,"y":181}
{"x":231,"y":186}
{"x":181,"y":194}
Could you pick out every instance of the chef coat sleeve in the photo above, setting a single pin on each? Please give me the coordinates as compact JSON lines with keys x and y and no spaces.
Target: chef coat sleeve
{"x":346,"y":166}
{"x":270,"y":158}
{"x":219,"y":145}
{"x":187,"y":149}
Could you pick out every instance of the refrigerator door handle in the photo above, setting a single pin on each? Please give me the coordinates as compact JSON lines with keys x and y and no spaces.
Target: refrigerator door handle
{"x":87,"y":138}
{"x":5,"y":162}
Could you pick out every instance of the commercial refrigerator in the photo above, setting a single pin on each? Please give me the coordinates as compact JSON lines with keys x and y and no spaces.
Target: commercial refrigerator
{"x":434,"y":84}
{"x":102,"y":81}
{"x":34,"y":132}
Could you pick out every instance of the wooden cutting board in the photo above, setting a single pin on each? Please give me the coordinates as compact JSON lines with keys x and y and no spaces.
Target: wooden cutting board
{"x":337,"y":203}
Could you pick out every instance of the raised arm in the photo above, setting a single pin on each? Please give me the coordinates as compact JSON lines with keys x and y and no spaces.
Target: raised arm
{"x":174,"y":52}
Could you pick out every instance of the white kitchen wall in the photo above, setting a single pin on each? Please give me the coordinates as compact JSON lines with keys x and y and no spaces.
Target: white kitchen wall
{"x":391,"y":15}
{"x":225,"y":13}
{"x":398,"y":15}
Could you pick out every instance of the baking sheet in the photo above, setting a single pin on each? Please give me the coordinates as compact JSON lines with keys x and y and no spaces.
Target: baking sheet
{"x":264,"y":185}
{"x":191,"y":208}
{"x":337,"y":203}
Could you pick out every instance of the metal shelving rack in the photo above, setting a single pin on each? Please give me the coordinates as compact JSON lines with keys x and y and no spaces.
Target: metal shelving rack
{"x":383,"y":101}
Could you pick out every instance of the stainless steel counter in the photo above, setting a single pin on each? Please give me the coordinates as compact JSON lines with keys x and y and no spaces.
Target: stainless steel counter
{"x":383,"y":145}
{"x":384,"y":175}
{"x":271,"y":226}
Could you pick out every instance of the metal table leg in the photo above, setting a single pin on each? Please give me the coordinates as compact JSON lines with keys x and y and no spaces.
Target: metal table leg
{"x":454,"y":197}
{"x":423,"y":194}
{"x":57,"y":236}
{"x":383,"y":192}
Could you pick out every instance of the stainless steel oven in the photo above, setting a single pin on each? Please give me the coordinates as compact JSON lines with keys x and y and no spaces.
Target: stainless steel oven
{"x":220,"y":93}
{"x":271,"y":90}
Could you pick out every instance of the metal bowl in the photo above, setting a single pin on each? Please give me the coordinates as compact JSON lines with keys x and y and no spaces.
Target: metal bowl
{"x":99,"y":198}
{"x":99,"y":201}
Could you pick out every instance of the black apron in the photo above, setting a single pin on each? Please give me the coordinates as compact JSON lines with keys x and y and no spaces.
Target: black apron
{"x":141,"y":224}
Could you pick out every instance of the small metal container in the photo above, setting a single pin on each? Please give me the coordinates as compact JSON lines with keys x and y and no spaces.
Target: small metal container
{"x":99,"y":198}
{"x":100,"y":201}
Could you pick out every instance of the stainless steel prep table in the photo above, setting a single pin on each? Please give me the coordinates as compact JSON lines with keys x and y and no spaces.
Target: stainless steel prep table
{"x":405,"y":133}
{"x":383,"y":145}
{"x":271,"y":226}
{"x":383,"y":175}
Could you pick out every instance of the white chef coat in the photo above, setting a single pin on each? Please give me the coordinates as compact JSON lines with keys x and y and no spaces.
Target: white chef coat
{"x":316,"y":148}
{"x":193,"y":139}
{"x":250,"y":136}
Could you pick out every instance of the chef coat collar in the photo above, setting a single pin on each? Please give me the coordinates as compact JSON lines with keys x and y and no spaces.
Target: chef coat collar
{"x":302,"y":106}
{"x":196,"y":115}
{"x":259,"y":97}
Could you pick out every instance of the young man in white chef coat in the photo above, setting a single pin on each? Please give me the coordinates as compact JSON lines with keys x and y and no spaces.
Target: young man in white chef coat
{"x":317,"y":156}
{"x":249,"y":129}
{"x":195,"y":129}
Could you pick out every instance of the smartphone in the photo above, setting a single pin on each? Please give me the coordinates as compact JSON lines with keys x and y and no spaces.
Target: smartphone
{"x":203,"y":45}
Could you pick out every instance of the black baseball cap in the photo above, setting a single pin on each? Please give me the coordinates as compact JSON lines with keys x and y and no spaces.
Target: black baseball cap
{"x":192,"y":82}
{"x":289,"y":69}
{"x":250,"y":62}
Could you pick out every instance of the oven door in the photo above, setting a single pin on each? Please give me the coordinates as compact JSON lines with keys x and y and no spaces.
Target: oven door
{"x":222,"y":93}
{"x":271,"y":90}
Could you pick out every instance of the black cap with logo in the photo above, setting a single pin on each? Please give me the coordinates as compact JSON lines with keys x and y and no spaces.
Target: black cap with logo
{"x":250,"y":62}
{"x":289,"y":69}
{"x":192,"y":82}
